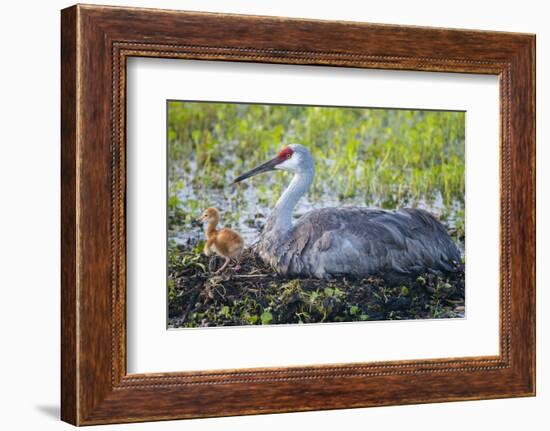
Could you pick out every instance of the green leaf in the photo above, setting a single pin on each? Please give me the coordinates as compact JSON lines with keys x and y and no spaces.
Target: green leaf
{"x":173,"y":202}
{"x":201,"y":266}
{"x":225,"y":311}
{"x":266,"y":317}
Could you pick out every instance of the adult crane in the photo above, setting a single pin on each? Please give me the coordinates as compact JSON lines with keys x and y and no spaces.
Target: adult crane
{"x":347,"y":241}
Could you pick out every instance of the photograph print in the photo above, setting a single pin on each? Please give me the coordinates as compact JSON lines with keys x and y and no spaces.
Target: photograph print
{"x":290,"y":214}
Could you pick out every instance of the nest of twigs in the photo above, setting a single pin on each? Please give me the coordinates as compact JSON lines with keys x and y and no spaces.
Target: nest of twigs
{"x":255,"y":295}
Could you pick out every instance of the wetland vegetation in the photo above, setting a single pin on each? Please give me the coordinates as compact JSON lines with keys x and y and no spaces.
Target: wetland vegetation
{"x":385,"y":158}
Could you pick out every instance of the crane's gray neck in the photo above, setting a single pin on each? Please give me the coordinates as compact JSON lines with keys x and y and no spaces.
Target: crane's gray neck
{"x":281,"y":217}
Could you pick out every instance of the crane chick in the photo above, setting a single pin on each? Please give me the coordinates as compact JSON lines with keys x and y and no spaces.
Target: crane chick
{"x":226,"y":242}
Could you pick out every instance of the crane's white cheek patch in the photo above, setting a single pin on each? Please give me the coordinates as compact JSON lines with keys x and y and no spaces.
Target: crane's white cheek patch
{"x":289,"y":164}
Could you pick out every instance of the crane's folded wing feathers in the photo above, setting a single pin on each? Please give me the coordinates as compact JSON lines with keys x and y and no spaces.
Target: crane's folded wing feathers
{"x":360,"y":241}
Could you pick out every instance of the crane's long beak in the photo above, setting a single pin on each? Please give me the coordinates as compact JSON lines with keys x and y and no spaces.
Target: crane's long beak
{"x":267,"y":166}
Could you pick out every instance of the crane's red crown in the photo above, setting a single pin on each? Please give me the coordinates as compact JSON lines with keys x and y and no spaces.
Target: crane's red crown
{"x":285,"y":153}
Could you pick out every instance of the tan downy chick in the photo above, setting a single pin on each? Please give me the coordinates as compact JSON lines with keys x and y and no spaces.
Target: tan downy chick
{"x":226,"y":242}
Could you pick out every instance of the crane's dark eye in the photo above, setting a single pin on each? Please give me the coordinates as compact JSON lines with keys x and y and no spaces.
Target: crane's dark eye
{"x":289,"y":155}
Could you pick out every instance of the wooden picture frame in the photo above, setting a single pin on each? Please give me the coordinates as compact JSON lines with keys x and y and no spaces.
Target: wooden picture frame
{"x":95,"y":43}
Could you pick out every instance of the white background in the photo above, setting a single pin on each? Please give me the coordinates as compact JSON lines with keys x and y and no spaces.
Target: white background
{"x":151,"y":348}
{"x":29,"y":217}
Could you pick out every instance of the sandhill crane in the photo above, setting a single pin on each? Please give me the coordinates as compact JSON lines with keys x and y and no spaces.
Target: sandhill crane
{"x":347,"y":241}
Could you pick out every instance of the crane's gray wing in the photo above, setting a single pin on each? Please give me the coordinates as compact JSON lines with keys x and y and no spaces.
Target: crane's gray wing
{"x":361,"y":242}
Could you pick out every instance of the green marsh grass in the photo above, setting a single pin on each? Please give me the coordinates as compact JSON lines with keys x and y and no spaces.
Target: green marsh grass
{"x":385,"y":158}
